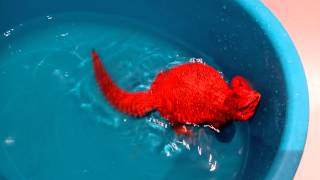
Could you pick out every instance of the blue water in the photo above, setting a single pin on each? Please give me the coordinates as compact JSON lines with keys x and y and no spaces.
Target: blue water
{"x":55,"y":123}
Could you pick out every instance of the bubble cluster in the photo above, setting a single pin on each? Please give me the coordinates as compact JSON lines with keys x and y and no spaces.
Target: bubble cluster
{"x":196,"y":60}
{"x":8,"y":32}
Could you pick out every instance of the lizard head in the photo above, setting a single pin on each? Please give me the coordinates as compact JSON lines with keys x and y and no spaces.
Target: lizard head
{"x":243,"y":100}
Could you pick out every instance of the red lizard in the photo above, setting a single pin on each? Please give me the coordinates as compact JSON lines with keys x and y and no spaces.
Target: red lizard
{"x":191,"y":93}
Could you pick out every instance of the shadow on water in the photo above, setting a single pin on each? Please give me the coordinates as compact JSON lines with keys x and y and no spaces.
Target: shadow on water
{"x":227,"y":133}
{"x":2,"y":177}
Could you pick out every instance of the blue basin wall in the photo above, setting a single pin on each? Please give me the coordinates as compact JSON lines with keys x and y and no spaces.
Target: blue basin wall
{"x":239,"y":43}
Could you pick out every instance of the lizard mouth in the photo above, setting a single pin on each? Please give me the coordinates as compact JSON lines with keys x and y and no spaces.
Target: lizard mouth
{"x":247,"y":110}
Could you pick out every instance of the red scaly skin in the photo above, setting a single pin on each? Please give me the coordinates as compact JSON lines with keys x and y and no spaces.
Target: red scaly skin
{"x":191,"y":93}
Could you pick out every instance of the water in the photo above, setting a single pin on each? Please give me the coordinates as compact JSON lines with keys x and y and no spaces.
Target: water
{"x":55,"y":123}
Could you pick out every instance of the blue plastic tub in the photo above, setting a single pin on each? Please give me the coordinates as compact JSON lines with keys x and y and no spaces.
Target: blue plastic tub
{"x":242,"y":37}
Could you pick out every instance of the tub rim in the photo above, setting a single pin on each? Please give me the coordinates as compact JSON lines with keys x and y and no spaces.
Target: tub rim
{"x":293,"y":140}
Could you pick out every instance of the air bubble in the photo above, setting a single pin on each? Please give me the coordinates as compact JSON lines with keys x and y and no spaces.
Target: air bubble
{"x":224,"y":7}
{"x":64,"y":34}
{"x":66,"y":74}
{"x":49,"y":17}
{"x":9,"y":140}
{"x":86,"y":105}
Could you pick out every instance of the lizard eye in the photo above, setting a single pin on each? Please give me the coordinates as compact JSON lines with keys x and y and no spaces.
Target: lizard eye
{"x":240,"y":82}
